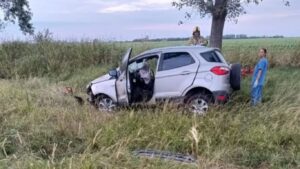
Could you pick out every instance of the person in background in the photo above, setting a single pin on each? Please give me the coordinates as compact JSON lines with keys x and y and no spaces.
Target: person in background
{"x":146,"y":88}
{"x":145,"y":73}
{"x":259,"y":76}
{"x":196,"y":39}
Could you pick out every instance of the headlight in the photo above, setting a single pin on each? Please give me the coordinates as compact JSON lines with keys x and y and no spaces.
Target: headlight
{"x":88,"y":87}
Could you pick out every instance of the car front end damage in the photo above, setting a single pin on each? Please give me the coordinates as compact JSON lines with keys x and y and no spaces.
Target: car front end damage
{"x":91,"y":97}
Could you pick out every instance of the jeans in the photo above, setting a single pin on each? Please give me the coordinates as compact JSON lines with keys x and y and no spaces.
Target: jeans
{"x":256,"y":95}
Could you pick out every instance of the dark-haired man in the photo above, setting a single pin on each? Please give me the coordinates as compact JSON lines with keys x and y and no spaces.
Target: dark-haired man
{"x":259,"y":75}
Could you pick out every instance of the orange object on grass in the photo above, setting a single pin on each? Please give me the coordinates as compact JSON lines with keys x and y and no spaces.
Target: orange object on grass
{"x":247,"y":70}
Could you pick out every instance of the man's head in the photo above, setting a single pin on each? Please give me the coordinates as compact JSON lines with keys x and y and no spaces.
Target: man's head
{"x":145,"y":66}
{"x":262,"y":52}
{"x":196,"y":32}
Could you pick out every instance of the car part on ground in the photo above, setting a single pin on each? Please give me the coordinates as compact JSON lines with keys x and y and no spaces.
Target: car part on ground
{"x":166,"y":155}
{"x":69,"y":91}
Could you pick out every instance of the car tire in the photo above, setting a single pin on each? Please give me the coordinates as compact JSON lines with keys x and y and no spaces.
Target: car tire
{"x":105,"y":104}
{"x":235,"y":76}
{"x":199,"y":103}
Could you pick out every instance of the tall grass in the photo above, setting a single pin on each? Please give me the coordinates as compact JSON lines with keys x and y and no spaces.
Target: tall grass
{"x":42,"y":128}
{"x":281,"y":52}
{"x":61,"y":59}
{"x":26,"y":59}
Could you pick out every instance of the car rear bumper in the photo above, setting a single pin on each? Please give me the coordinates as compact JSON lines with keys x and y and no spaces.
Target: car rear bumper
{"x":221,"y":97}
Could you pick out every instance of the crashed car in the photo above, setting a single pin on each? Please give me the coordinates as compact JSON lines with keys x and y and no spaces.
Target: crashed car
{"x":197,"y":76}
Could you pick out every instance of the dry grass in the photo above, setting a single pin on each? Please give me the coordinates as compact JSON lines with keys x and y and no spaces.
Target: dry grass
{"x":43,"y":128}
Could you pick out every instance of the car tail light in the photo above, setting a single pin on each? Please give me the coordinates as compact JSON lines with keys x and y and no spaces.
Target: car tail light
{"x":221,"y":98}
{"x":220,"y":70}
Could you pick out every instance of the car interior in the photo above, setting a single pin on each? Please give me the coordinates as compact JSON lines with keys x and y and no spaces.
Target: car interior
{"x":142,"y":78}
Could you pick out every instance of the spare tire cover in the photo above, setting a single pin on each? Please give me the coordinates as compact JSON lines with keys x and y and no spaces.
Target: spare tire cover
{"x":235,"y":76}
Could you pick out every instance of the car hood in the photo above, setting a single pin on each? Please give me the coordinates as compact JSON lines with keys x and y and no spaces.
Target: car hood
{"x":103,"y":78}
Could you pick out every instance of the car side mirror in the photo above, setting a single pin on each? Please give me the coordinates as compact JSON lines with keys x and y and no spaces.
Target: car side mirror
{"x":113,"y":73}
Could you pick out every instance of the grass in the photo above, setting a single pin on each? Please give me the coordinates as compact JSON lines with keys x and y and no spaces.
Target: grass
{"x":62,"y":59}
{"x":43,"y":128}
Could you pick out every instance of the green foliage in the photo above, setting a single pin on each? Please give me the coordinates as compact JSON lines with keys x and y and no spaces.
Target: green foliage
{"x":17,"y":10}
{"x":43,"y":36}
{"x":281,"y":52}
{"x":219,"y":10}
{"x":54,"y":59}
{"x":230,"y":9}
{"x":61,"y":59}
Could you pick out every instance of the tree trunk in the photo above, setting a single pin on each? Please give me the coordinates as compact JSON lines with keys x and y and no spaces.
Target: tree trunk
{"x":217,"y":27}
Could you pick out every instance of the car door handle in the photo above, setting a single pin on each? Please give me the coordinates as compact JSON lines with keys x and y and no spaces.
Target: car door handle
{"x":185,"y":72}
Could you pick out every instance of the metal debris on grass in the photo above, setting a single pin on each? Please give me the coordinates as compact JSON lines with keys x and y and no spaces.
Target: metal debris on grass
{"x":166,"y":155}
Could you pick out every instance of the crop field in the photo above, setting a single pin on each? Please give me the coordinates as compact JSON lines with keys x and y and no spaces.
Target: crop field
{"x":40,"y":127}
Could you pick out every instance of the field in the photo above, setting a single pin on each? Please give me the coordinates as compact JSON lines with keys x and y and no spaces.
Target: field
{"x":40,"y":127}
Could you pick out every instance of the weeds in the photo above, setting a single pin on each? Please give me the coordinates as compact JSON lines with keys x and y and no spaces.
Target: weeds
{"x":43,"y":128}
{"x":56,"y":132}
{"x":46,"y":57}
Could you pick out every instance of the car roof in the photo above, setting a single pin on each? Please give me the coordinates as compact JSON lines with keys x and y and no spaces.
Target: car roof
{"x":200,"y":49}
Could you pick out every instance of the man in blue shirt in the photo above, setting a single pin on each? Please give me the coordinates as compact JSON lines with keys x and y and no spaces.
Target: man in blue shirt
{"x":259,"y":75}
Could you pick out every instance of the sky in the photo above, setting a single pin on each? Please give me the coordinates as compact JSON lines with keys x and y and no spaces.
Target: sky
{"x":131,"y":19}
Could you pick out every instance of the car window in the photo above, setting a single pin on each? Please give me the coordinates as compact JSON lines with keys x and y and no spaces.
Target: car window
{"x":221,"y":56}
{"x":175,"y":60}
{"x":135,"y":66}
{"x":153,"y":63}
{"x":211,"y":57}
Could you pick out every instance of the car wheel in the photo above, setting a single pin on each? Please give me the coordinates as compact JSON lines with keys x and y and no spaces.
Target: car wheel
{"x":105,"y":104}
{"x":198,"y":104}
{"x":235,"y":76}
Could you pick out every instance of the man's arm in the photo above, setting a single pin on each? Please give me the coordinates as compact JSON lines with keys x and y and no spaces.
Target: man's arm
{"x":261,"y":65}
{"x":257,"y":78}
{"x":258,"y":75}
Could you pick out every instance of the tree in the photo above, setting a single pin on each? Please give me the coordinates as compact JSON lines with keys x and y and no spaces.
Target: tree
{"x":17,"y":10}
{"x":219,"y":10}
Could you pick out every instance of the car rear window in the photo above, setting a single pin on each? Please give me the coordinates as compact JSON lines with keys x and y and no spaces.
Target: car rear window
{"x":175,"y":59}
{"x":211,"y":56}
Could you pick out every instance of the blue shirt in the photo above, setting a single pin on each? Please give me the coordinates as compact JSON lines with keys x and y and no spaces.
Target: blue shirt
{"x":263,"y":66}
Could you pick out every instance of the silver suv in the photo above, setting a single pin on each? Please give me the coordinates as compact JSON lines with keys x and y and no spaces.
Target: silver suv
{"x":196,"y":76}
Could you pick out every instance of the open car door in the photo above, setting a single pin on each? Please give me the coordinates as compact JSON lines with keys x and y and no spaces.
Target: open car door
{"x":122,"y":82}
